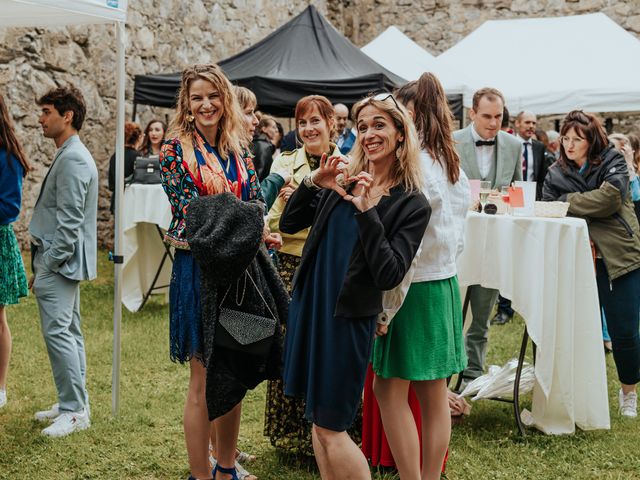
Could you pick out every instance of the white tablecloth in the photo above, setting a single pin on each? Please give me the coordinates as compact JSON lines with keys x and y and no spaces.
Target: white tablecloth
{"x":545,"y":267}
{"x":145,"y":206}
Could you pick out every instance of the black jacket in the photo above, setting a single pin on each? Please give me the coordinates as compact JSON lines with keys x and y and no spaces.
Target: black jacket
{"x":541,"y":165}
{"x":602,"y":198}
{"x":390,"y":235}
{"x":130,"y":155}
{"x":262,"y":150}
{"x":225,"y":237}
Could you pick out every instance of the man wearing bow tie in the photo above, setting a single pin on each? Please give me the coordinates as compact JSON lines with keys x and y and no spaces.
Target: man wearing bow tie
{"x":486,"y":153}
{"x":534,"y":169}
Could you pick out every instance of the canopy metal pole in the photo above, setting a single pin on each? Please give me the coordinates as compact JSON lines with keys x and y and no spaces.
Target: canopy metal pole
{"x":117,"y":255}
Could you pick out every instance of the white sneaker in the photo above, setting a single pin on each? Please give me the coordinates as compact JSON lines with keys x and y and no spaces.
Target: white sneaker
{"x":3,"y":398}
{"x":48,"y":415}
{"x":628,"y":404}
{"x":67,"y":423}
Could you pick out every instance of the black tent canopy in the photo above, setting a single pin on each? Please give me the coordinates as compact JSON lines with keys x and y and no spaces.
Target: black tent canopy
{"x":305,"y":56}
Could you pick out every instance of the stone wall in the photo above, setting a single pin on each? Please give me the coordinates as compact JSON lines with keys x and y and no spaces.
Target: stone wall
{"x":439,"y":24}
{"x":162,"y":36}
{"x":165,"y":35}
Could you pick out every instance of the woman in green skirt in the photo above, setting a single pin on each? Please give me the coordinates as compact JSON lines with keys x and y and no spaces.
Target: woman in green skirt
{"x":13,"y":280}
{"x":424,"y":343}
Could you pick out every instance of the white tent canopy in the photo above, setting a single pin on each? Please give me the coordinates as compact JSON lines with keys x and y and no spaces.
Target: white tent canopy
{"x":399,"y":54}
{"x":35,"y":13}
{"x":581,"y":62}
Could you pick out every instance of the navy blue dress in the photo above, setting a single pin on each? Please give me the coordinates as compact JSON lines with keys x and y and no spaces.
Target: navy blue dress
{"x":326,"y":357}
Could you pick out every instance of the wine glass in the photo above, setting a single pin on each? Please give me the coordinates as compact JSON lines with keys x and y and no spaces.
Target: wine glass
{"x":504,"y":192}
{"x":485,"y":190}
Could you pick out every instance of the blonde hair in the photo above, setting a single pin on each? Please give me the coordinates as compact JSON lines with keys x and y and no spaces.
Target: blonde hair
{"x":620,"y":137}
{"x":232,"y":136}
{"x":246,"y":97}
{"x":407,"y":170}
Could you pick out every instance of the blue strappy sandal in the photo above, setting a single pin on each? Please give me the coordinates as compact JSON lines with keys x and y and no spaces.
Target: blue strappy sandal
{"x":231,"y":471}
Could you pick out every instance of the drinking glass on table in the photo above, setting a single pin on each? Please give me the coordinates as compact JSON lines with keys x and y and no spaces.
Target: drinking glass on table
{"x":485,"y":190}
{"x":504,"y":192}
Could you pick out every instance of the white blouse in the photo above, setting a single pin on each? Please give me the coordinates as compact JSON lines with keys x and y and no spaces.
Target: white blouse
{"x":443,"y":240}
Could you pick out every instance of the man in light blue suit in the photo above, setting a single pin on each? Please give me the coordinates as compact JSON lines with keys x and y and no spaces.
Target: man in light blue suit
{"x":486,"y":153}
{"x":63,"y":235}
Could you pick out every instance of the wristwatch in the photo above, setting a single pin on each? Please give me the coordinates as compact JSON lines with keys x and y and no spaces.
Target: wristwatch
{"x":308,"y":182}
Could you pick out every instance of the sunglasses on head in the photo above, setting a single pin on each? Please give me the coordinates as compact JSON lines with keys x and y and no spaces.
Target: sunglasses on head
{"x":381,"y":97}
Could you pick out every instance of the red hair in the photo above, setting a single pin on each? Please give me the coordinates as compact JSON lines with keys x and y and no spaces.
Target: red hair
{"x":305,"y":104}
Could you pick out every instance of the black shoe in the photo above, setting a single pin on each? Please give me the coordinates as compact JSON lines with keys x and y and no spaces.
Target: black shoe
{"x":500,"y":319}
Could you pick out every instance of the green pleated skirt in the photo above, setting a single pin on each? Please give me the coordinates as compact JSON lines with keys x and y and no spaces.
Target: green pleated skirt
{"x":424,"y":340}
{"x":13,"y":280}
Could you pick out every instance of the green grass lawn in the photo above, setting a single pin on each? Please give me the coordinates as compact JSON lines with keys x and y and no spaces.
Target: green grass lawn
{"x":145,"y":441}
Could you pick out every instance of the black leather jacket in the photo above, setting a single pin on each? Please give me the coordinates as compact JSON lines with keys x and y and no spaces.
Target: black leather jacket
{"x":262,"y":150}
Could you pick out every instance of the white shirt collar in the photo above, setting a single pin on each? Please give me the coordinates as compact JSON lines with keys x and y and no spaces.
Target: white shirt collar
{"x":523,"y":140}
{"x":476,"y":136}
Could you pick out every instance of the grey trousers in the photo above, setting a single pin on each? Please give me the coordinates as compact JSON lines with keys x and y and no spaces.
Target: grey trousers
{"x":481,"y":301}
{"x":59,"y":303}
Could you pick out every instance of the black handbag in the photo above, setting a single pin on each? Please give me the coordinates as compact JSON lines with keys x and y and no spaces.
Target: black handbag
{"x":146,"y":170}
{"x":242,"y":331}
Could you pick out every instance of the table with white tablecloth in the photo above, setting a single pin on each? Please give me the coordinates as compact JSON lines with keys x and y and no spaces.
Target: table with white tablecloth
{"x":146,"y":213}
{"x":545,"y":266}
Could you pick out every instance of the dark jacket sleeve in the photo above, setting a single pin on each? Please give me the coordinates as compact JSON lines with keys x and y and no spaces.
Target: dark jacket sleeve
{"x":300,"y":210}
{"x":271,"y":186}
{"x":549,"y":191}
{"x":389,"y":258}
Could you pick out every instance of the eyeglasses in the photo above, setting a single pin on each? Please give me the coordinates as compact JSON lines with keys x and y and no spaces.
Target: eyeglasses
{"x":575,"y":140}
{"x":381,"y":97}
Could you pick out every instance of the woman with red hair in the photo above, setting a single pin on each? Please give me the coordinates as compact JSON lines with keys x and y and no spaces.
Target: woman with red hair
{"x":284,"y":416}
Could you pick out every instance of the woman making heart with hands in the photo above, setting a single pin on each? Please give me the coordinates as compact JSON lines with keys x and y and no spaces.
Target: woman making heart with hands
{"x":362,"y":241}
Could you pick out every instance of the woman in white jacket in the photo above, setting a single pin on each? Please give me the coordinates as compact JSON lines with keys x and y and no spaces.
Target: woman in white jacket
{"x":424,"y":344}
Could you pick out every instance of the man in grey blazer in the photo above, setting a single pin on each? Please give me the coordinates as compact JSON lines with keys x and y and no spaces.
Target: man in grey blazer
{"x":63,"y":235}
{"x":486,"y":153}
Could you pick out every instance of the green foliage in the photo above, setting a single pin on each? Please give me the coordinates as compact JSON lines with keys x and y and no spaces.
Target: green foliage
{"x":145,"y":441}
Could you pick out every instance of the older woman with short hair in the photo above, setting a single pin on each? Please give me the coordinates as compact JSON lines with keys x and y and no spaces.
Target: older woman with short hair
{"x":593,"y":177}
